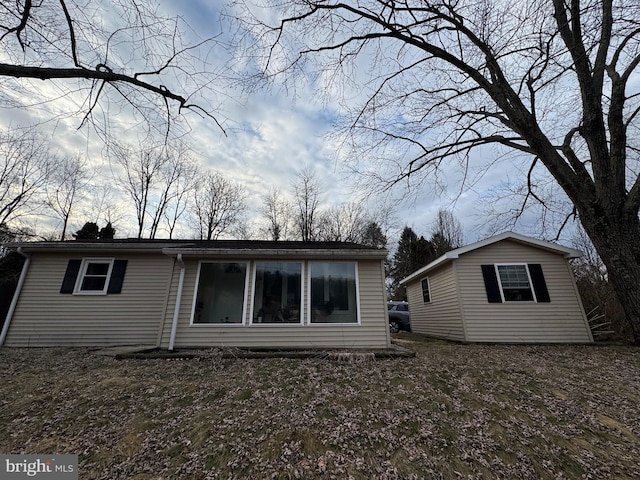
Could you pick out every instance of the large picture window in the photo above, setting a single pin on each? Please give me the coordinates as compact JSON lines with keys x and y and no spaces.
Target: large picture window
{"x":333,"y":292}
{"x":221,"y":293}
{"x":277,"y":292}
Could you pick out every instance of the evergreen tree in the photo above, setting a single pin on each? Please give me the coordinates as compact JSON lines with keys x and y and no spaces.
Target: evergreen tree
{"x":413,"y":253}
{"x":373,"y":236}
{"x":440,"y":244}
{"x":89,"y":231}
{"x":107,"y":232}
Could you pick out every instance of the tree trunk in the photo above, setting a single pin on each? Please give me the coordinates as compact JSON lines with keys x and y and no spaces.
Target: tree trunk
{"x":65,"y":220}
{"x":617,"y":241}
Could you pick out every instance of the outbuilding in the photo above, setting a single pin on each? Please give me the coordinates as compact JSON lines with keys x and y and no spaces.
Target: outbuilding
{"x":509,"y":288}
{"x":180,"y":293}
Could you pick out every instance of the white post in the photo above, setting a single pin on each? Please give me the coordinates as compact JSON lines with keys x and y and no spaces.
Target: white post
{"x":176,"y":311}
{"x":16,"y":295}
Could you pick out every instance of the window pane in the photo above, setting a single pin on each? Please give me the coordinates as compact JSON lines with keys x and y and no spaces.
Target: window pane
{"x":220,"y":297}
{"x":93,"y":283}
{"x":277,"y":289}
{"x":515,"y":283}
{"x":333,"y":293}
{"x":94,"y":276}
{"x":513,"y":276}
{"x":98,"y":269}
{"x":426,"y":296}
{"x":517,"y":295}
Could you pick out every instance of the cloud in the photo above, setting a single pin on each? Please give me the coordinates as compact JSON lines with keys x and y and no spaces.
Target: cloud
{"x":272,"y":133}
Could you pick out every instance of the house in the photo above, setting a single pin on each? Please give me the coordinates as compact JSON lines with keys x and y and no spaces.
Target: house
{"x":508,"y":288}
{"x":175,"y":294}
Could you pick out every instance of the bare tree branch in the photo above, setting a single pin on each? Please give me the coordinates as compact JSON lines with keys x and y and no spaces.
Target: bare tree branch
{"x":61,"y":41}
{"x":433,"y":81}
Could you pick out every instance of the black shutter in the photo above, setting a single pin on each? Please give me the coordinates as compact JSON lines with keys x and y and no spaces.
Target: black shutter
{"x":69,"y":281}
{"x":539,"y":285}
{"x":117,"y":276}
{"x":491,"y":284}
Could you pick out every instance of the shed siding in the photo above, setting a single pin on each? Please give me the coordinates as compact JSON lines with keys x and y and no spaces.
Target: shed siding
{"x":442,"y":317}
{"x":562,"y":320}
{"x":371,"y":333}
{"x":45,"y":317}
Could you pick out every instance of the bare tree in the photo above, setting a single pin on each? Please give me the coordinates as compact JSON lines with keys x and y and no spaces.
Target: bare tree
{"x":24,"y":169}
{"x":140,"y":170}
{"x":103,"y":206}
{"x":449,"y":228}
{"x":154,"y":178}
{"x":307,"y":191}
{"x":66,"y":186}
{"x":138,"y":55}
{"x":218,"y":206}
{"x":276,"y":211}
{"x":180,"y":191}
{"x":176,"y":179}
{"x":599,"y":299}
{"x":343,"y":223}
{"x":549,"y":79}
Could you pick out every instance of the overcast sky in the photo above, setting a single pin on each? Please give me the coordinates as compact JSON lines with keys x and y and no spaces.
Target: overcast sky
{"x":271,"y":134}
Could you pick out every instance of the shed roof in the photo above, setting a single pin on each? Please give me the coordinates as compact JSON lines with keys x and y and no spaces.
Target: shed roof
{"x":566,"y":252}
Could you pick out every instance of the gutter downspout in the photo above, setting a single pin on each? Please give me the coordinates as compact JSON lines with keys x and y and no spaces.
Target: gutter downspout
{"x":16,"y":295}
{"x":176,"y":311}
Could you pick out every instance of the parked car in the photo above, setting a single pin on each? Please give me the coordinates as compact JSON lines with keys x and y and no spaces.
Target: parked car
{"x":399,"y":316}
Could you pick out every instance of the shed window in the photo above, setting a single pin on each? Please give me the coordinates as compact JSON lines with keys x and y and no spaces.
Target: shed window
{"x":334,"y":292}
{"x":221,"y":293}
{"x":426,"y":292}
{"x":277,"y":292}
{"x":514,"y":280}
{"x":515,"y":283}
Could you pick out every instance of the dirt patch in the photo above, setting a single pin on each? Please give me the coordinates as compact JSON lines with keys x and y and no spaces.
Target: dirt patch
{"x":395,"y":351}
{"x":452,"y":411}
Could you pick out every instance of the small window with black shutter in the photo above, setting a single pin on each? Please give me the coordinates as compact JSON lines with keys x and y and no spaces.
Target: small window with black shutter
{"x":94,"y":276}
{"x":519,"y":282}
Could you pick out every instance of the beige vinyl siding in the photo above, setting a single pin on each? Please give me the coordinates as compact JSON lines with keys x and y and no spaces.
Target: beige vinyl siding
{"x":562,"y":320}
{"x":371,"y":333}
{"x":442,"y":316}
{"x":45,"y":317}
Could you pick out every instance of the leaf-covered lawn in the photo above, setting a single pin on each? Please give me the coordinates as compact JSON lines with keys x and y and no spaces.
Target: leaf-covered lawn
{"x":454,"y":411}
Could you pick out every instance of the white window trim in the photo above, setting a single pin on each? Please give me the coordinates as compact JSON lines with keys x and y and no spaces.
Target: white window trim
{"x":428,"y":290}
{"x":309,"y":306}
{"x":526,"y":269}
{"x":244,"y":297}
{"x":83,"y":271}
{"x":253,"y":294}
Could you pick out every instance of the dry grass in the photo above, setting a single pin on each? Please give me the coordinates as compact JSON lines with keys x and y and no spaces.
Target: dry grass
{"x":453,"y":411}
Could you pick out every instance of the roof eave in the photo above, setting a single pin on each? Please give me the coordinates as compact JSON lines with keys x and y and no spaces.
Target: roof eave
{"x":566,"y":252}
{"x":447,"y":257}
{"x":186,"y":250}
{"x":84,"y":247}
{"x":275,"y":252}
